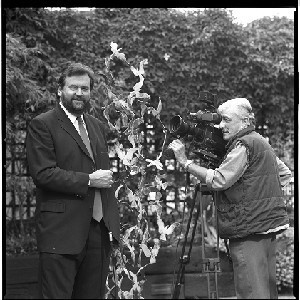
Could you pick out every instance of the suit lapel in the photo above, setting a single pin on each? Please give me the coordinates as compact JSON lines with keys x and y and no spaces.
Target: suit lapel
{"x":67,"y":125}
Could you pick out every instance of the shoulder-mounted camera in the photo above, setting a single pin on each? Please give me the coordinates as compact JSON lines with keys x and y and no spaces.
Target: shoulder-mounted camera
{"x":201,"y":130}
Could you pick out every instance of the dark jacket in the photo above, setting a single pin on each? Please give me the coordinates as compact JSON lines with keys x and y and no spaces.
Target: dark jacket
{"x":59,"y":164}
{"x":255,"y":203}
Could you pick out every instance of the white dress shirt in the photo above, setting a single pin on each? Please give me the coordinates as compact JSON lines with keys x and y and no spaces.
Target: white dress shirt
{"x":73,"y":119}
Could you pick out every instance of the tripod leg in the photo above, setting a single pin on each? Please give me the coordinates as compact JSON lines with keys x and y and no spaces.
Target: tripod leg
{"x":216,"y":286}
{"x":184,"y":259}
{"x":210,"y":265}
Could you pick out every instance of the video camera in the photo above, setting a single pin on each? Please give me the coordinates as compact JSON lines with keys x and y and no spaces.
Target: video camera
{"x":199,"y":129}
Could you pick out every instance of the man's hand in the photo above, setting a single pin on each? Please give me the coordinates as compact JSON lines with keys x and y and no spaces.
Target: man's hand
{"x":101,"y":179}
{"x":179,"y":150}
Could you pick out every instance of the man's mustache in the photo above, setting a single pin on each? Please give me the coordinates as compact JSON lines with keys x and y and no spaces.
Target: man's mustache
{"x":80,"y":99}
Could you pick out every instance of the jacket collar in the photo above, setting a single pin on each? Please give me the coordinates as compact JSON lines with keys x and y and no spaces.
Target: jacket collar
{"x":241,"y":133}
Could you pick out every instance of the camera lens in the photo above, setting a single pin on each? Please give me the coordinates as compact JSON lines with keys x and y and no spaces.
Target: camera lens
{"x":179,"y":127}
{"x":175,"y":123}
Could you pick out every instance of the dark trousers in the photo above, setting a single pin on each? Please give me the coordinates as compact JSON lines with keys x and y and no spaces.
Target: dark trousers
{"x":80,"y":276}
{"x":254,"y":266}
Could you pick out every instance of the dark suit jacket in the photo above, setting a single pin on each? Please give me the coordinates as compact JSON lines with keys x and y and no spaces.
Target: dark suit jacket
{"x":59,"y":164}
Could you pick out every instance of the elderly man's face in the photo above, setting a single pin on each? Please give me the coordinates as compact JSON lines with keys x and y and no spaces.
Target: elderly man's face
{"x":231,"y":123}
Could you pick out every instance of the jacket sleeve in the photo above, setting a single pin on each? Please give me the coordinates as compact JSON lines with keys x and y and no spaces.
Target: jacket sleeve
{"x":285,"y":174}
{"x":230,"y":170}
{"x":42,"y":163}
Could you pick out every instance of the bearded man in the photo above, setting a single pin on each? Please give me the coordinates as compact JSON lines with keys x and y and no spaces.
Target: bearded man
{"x":76,"y":209}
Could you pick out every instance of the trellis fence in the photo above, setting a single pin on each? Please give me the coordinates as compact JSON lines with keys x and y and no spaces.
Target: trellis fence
{"x":20,"y":190}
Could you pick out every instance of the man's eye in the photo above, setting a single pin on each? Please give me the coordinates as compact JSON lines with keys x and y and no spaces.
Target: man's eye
{"x":75,"y":88}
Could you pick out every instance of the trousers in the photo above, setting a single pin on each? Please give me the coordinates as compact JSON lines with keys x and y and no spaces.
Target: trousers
{"x":79,"y":276}
{"x":254,"y":266}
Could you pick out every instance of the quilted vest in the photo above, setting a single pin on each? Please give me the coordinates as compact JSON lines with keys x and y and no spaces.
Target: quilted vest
{"x":255,"y":203}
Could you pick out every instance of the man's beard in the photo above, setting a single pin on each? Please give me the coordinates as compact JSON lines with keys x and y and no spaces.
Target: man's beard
{"x":76,"y":105}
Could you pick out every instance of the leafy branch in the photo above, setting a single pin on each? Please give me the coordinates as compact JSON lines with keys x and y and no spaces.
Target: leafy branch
{"x":131,"y":109}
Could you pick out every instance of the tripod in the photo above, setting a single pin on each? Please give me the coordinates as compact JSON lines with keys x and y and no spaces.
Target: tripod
{"x":210,"y":265}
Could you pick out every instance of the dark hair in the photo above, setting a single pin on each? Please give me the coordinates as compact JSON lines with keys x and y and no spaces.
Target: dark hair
{"x":76,"y":69}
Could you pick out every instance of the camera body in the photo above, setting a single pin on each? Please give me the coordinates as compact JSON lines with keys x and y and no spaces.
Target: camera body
{"x":201,"y":131}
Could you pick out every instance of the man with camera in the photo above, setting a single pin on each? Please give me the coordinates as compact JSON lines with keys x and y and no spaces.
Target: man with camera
{"x":250,"y":205}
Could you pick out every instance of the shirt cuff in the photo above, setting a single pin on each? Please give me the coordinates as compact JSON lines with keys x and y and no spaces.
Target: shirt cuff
{"x":209,"y":177}
{"x":186,"y":165}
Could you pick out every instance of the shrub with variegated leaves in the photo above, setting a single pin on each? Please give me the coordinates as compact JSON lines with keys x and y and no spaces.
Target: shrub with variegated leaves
{"x":129,"y":112}
{"x":285,"y":259}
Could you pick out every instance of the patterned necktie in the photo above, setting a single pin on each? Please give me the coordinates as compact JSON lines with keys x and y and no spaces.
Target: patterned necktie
{"x":97,"y":209}
{"x":84,"y":136}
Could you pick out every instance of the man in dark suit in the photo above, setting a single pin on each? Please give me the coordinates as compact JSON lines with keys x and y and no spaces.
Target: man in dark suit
{"x":76,"y":209}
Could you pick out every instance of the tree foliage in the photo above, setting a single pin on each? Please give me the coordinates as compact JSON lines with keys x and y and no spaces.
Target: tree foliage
{"x":25,"y":71}
{"x":187,"y":53}
{"x":272,"y":51}
{"x":141,"y":177}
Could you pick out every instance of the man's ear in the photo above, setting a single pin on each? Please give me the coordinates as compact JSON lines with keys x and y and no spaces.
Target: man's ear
{"x":246,"y":121}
